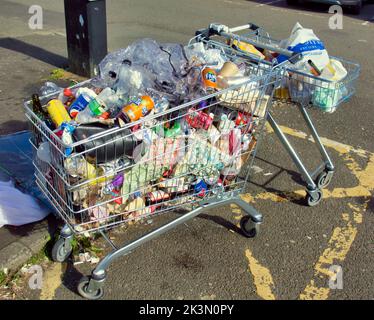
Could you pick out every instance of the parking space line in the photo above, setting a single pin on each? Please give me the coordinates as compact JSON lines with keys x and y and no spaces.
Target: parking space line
{"x":342,"y":236}
{"x":336,"y":193}
{"x":268,"y":3}
{"x":335,"y":253}
{"x":262,"y":278}
{"x":338,"y":146}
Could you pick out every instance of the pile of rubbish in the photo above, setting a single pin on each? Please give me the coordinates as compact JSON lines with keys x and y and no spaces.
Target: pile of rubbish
{"x":130,"y":143}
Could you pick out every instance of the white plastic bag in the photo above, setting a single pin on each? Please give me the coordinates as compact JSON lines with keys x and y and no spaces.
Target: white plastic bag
{"x":17,"y":208}
{"x":303,"y":40}
{"x":327,"y":95}
{"x":334,"y":71}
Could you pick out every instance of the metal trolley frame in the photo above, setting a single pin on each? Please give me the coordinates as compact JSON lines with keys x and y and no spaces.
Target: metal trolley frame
{"x":313,"y":90}
{"x":70,"y":180}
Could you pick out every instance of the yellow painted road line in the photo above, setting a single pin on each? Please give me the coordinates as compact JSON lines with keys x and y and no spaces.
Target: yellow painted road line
{"x":336,"y":193}
{"x":51,"y":281}
{"x":335,"y":254}
{"x":365,"y":176}
{"x":342,"y":237}
{"x":261,"y":277}
{"x":340,"y":147}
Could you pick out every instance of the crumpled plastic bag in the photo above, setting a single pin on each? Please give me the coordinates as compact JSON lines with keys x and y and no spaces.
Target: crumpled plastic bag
{"x":166,"y":62}
{"x":109,"y":68}
{"x":303,"y":40}
{"x":133,"y":79}
{"x":212,"y":57}
{"x":48,"y":88}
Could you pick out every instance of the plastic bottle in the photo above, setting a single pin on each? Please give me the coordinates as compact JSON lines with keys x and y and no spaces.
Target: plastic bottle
{"x":225,"y":124}
{"x":37,"y":107}
{"x":109,"y":98}
{"x":98,"y":106}
{"x":246,"y":139}
{"x":85,"y":116}
{"x":67,"y":137}
{"x":57,"y":112}
{"x":174,"y":131}
{"x":79,"y":166}
{"x":66,"y":96}
{"x":161,"y":104}
{"x":40,"y":112}
{"x":88,"y":91}
{"x":80,"y":103}
{"x":44,"y":152}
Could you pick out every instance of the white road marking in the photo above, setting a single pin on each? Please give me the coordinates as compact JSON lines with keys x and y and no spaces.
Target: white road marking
{"x":267,"y":3}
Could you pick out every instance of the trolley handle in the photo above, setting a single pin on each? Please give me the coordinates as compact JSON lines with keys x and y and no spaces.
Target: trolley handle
{"x":225,"y":31}
{"x":250,"y":26}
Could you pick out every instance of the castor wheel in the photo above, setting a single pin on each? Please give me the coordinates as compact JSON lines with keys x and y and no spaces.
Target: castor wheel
{"x":61,"y":250}
{"x":249,"y":227}
{"x":83,"y":290}
{"x":324,"y":179}
{"x":313,"y":200}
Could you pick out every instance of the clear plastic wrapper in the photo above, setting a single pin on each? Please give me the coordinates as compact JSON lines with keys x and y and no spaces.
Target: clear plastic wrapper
{"x":48,"y":88}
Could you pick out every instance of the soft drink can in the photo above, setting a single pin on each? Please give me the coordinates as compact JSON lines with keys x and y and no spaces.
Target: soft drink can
{"x":156,"y":197}
{"x":209,"y":77}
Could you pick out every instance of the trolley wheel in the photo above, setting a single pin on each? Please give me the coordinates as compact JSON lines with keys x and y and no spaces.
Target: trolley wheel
{"x":60,"y":252}
{"x":313,"y":201}
{"x":249,"y":227}
{"x":324,"y":179}
{"x":83,"y":290}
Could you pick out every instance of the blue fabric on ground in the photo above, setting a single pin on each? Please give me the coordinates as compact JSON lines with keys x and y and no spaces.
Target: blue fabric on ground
{"x":16,"y":163}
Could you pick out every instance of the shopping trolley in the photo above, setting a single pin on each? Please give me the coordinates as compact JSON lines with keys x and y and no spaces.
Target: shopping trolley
{"x":305,"y":90}
{"x":187,"y":171}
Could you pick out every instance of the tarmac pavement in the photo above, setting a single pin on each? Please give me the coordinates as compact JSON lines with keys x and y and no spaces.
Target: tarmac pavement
{"x":208,"y":258}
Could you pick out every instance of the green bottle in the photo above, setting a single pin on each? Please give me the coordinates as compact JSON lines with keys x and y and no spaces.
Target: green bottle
{"x":39,"y":111}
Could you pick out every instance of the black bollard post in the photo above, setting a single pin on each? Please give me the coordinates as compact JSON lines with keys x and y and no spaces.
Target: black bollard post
{"x":86,"y":34}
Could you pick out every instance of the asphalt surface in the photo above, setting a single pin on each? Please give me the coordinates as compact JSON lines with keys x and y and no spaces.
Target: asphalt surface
{"x":208,"y":258}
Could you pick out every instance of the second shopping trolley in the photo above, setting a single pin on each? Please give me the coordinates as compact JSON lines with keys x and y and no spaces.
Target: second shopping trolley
{"x":304,"y":90}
